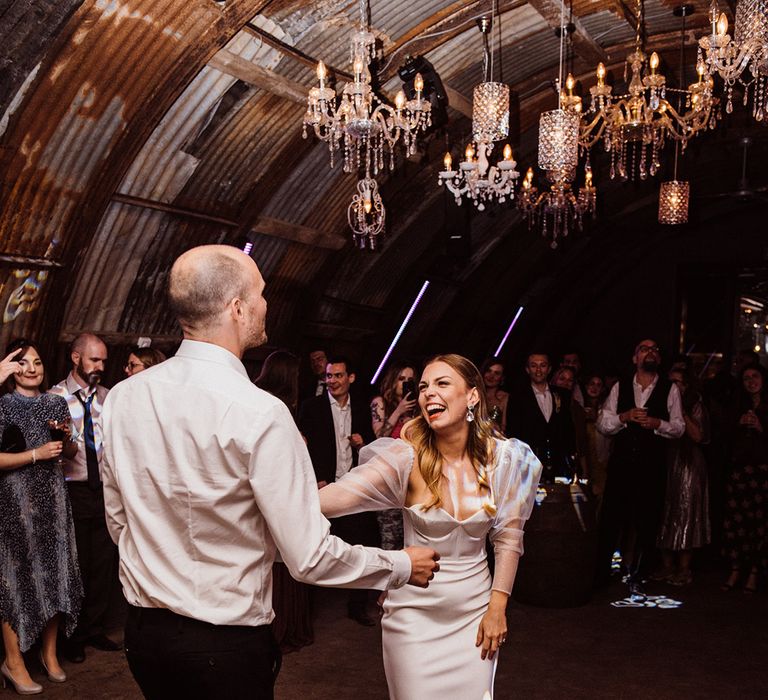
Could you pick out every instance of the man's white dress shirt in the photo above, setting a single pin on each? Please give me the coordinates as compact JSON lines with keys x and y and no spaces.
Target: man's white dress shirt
{"x":544,"y":399}
{"x":608,"y":421}
{"x":76,"y":469}
{"x":205,"y":477}
{"x":342,"y":428}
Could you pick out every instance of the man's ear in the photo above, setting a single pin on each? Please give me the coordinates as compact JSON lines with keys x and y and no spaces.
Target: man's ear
{"x":75,"y":357}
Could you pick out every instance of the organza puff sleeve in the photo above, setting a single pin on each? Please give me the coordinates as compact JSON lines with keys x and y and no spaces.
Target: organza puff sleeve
{"x":379,"y":482}
{"x":515,"y":480}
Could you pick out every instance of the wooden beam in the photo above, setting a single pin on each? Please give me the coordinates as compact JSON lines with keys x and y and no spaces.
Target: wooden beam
{"x":264,"y":225}
{"x":263,"y":78}
{"x":621,"y":8}
{"x":458,"y":101}
{"x":583,"y":43}
{"x":298,"y":234}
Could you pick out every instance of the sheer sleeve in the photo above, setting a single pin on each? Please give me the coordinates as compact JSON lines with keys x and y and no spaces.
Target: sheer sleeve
{"x":379,"y":482}
{"x":515,"y":483}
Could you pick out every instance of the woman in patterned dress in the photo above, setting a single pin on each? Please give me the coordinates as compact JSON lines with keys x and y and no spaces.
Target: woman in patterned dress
{"x":39,"y":577}
{"x":747,"y":486}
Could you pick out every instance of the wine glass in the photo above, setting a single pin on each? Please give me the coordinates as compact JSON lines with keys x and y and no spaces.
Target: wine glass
{"x":59,"y":432}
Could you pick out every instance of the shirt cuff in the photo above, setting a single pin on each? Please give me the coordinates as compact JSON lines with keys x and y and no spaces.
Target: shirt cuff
{"x":401,"y":569}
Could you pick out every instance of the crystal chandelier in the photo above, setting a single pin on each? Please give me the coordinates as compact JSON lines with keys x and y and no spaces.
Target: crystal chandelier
{"x":558,"y":209}
{"x":476,"y":177}
{"x":366,"y":214}
{"x":748,"y":49}
{"x":366,"y":127}
{"x":634,"y":126}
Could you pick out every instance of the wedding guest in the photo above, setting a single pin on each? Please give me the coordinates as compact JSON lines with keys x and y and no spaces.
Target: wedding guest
{"x":40,"y":587}
{"x":564,"y":379}
{"x":685,"y":523}
{"x":96,"y":553}
{"x":292,"y":625}
{"x":493,"y":378}
{"x":643,"y":413}
{"x":389,"y":412}
{"x":598,"y":445}
{"x":140,"y":359}
{"x":744,"y":542}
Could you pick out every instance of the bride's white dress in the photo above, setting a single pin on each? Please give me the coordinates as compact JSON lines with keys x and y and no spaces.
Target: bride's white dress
{"x":429,"y":634}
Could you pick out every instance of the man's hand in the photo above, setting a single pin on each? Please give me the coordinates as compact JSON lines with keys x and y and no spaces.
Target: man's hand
{"x":423,"y":565}
{"x":649,"y":423}
{"x":356,"y":440}
{"x":633,"y":415}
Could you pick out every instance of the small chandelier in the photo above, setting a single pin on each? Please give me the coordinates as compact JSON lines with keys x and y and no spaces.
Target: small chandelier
{"x":558,"y":210}
{"x":748,"y":49}
{"x":635,"y":126}
{"x":366,"y":127}
{"x":476,"y":177}
{"x":673,"y":202}
{"x":366,"y":214}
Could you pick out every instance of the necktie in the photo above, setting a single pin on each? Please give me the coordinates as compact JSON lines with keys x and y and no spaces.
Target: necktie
{"x":91,"y":459}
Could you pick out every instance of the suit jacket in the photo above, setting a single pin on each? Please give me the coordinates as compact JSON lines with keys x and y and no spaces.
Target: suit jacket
{"x":553,"y":442}
{"x":316,"y":424}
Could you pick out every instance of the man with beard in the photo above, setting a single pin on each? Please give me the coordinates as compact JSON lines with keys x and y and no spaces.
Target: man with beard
{"x":642,"y":413}
{"x":96,"y":553}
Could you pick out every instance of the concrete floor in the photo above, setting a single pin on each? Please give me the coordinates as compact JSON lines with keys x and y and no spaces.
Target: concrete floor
{"x":715,"y":646}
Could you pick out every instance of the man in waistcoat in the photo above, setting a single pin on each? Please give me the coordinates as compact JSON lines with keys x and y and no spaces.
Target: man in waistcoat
{"x":643,"y":413}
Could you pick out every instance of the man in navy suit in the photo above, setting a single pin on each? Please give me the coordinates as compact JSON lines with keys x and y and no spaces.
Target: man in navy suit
{"x":336,"y":425}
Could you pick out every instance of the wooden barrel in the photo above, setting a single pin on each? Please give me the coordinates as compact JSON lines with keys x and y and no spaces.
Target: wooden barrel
{"x":557,"y":569}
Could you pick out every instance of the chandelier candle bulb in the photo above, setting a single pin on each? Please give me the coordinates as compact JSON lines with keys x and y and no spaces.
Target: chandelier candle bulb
{"x":722,"y":25}
{"x":448,"y":163}
{"x":600,"y":74}
{"x":322,"y":73}
{"x":654,"y":62}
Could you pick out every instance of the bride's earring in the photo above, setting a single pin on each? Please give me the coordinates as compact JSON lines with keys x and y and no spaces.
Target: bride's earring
{"x":470,"y":413}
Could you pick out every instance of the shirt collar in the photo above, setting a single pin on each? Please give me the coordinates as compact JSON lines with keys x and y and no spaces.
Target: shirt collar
{"x":650,"y":386}
{"x":536,"y":391}
{"x":337,"y":404}
{"x":73,"y":386}
{"x":210,"y":352}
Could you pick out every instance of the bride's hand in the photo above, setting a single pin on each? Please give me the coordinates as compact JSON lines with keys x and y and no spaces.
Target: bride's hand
{"x":492,"y":632}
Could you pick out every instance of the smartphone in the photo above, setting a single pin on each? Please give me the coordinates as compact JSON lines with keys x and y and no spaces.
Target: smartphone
{"x":409,"y":387}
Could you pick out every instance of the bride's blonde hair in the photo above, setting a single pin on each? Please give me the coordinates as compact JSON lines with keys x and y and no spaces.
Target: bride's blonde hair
{"x":480,"y":443}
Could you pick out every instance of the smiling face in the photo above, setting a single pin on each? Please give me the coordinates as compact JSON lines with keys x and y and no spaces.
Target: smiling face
{"x":493,"y":376}
{"x":444,"y":397}
{"x":32,"y":372}
{"x":337,"y":380}
{"x":538,"y":369}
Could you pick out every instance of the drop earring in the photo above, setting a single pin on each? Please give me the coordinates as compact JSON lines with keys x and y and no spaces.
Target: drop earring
{"x":470,"y":413}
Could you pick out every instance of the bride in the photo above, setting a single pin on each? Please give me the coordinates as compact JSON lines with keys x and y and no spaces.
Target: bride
{"x":456,"y":483}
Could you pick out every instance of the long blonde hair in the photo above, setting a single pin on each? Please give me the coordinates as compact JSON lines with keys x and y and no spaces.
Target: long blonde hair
{"x":481,"y":447}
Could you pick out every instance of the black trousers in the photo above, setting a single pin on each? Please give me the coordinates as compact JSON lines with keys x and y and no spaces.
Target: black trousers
{"x":96,"y":556}
{"x":172,"y":656}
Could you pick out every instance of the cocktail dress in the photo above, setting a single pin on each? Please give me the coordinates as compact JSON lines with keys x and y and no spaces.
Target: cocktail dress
{"x":429,"y":635}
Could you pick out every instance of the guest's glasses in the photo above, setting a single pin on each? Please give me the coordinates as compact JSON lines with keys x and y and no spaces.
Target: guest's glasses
{"x":133,"y":365}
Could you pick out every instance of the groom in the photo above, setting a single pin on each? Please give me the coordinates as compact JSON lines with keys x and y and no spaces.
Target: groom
{"x":205,"y":477}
